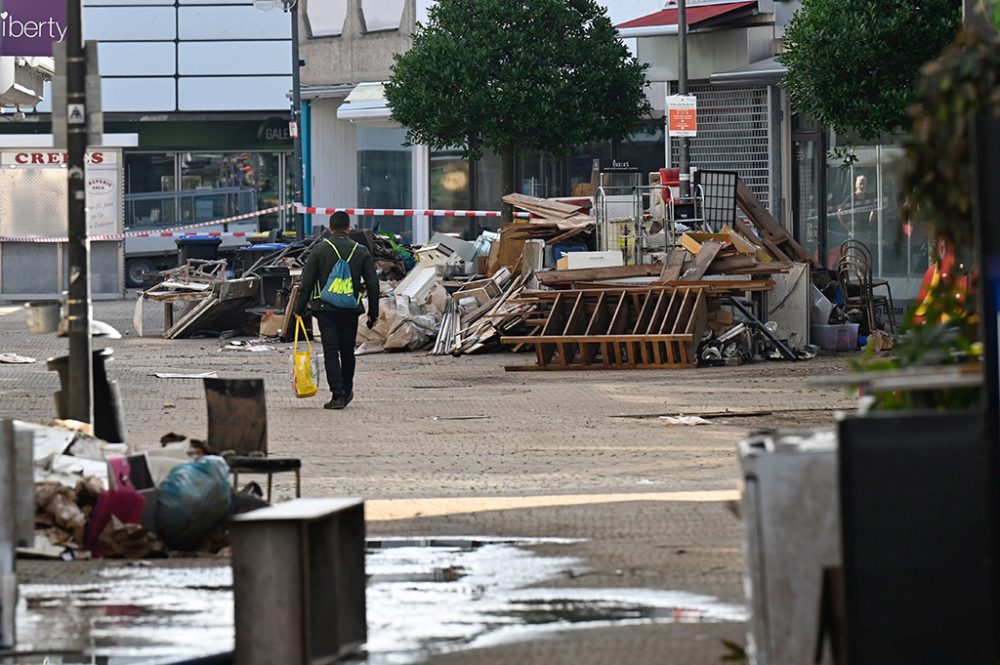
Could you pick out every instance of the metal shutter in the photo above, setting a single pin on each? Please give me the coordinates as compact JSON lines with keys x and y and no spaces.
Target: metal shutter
{"x":733,"y":134}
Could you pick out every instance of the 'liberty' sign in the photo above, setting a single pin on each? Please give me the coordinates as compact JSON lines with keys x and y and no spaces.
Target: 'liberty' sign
{"x":31,"y":27}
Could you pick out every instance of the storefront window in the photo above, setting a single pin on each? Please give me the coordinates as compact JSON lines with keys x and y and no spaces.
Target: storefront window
{"x":217,"y":185}
{"x":385,"y":178}
{"x":806,"y":177}
{"x":863,"y":203}
{"x":147,"y":178}
{"x":644,"y":148}
{"x":450,"y":190}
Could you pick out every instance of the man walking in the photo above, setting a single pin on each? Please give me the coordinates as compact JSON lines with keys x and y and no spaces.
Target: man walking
{"x":338,"y":324}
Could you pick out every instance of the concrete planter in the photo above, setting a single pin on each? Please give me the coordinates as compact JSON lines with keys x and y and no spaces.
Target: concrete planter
{"x":920,"y":539}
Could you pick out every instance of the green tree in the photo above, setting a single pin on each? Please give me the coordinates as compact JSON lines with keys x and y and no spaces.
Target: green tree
{"x":852,"y":64}
{"x":502,"y":75}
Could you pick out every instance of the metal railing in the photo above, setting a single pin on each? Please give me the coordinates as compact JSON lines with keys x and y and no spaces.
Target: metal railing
{"x":152,"y":210}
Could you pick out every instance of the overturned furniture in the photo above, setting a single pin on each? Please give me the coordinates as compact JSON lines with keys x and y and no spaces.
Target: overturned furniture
{"x":215,"y":302}
{"x":623,"y":328}
{"x":237,"y":424}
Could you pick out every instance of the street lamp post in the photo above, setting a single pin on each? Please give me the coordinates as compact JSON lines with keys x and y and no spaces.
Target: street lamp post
{"x":295,"y":120}
{"x":682,"y":89}
{"x":80,"y":397}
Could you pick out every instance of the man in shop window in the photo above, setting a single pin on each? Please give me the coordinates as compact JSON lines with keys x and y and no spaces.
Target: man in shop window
{"x":338,"y":326}
{"x":856,"y":218}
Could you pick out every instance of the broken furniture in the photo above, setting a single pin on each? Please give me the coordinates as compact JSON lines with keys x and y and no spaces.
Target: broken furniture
{"x":216,"y":303}
{"x":624,"y":328}
{"x":299,"y":582}
{"x":237,"y":422}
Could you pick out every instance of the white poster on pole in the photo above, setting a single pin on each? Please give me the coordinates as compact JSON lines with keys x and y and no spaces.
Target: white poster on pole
{"x":682,"y":116}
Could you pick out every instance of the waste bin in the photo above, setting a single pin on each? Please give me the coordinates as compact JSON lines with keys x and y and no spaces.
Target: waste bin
{"x":108,"y":422}
{"x":246,"y":257}
{"x":205,"y":248}
{"x":791,"y":532}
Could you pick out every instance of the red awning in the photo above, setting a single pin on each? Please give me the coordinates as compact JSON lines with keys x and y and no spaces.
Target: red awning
{"x":695,"y":14}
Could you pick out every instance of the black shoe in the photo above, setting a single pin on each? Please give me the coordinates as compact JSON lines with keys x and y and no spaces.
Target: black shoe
{"x":337,"y":403}
{"x":349,"y":398}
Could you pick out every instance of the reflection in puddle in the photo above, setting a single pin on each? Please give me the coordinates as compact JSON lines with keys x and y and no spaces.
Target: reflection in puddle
{"x":424,"y":597}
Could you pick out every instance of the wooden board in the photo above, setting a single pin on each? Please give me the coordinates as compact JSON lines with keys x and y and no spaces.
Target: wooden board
{"x":543,"y":207}
{"x":591,"y":274}
{"x":673,"y":266}
{"x":773,"y":232}
{"x":709,"y":250}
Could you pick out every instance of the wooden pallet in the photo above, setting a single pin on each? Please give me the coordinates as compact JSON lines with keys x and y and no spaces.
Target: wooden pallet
{"x":615,"y":328}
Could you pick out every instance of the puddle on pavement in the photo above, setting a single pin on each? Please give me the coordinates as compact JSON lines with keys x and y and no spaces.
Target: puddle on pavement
{"x":425,"y":596}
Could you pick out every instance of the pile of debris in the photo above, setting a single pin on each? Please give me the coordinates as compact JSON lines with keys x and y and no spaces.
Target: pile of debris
{"x":212,"y":301}
{"x":99,"y":499}
{"x":736,"y":294}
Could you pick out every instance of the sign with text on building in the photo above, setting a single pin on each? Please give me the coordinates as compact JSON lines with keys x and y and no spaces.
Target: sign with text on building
{"x":31,"y":27}
{"x":682,"y":115}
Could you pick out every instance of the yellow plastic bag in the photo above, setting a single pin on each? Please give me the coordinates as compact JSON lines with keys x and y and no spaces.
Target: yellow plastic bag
{"x":305,"y":369}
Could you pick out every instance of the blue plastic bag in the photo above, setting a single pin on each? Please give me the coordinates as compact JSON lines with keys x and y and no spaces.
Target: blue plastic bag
{"x":193,"y":499}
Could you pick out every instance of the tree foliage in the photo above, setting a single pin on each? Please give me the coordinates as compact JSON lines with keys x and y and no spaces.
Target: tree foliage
{"x":963,"y":82}
{"x":500,"y":74}
{"x":852,"y":64}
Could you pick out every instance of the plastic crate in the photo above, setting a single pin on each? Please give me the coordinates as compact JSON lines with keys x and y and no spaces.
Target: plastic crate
{"x":841,"y":337}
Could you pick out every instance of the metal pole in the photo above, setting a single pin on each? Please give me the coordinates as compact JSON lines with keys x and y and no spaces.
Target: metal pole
{"x":682,"y":89}
{"x":80,"y":389}
{"x":293,"y":8}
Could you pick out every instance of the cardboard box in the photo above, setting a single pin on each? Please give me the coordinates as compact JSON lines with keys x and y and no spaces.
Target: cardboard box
{"x":271,"y":324}
{"x":574,"y":260}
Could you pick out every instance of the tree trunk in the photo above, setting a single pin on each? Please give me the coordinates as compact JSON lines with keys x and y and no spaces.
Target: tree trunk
{"x":507,"y":180}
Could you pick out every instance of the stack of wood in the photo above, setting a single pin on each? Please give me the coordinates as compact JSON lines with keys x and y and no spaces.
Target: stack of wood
{"x":551,"y":220}
{"x":493,"y":316}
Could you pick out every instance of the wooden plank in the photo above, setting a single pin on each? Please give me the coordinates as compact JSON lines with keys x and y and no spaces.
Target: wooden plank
{"x":590,"y":274}
{"x":618,"y":320}
{"x":680,"y":322}
{"x":671,"y":313}
{"x":724,"y":264}
{"x":673,"y":266}
{"x":658,"y":312}
{"x":550,"y":206}
{"x":772,"y":247}
{"x":762,"y":219}
{"x":709,"y":250}
{"x":598,"y":324}
{"x":555,"y":339}
{"x":584,"y":368}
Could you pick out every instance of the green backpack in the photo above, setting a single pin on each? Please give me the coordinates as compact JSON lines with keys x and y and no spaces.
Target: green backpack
{"x":339,"y":290}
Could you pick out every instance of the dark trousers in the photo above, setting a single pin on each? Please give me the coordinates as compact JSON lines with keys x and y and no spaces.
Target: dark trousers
{"x":339,"y":329}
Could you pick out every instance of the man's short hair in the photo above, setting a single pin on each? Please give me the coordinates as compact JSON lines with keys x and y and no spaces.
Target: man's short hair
{"x":340,"y":221}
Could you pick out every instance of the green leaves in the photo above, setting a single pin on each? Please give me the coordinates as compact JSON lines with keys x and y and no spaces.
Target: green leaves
{"x":852,"y":64}
{"x":541,"y":74}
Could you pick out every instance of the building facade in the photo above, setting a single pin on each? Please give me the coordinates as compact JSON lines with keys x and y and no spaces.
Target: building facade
{"x":201,"y":87}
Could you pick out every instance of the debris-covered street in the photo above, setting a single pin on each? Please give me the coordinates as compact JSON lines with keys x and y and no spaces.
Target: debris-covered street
{"x":459,"y":448}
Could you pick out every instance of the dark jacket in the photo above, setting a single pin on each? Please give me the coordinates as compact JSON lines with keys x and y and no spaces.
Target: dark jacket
{"x":320,"y":263}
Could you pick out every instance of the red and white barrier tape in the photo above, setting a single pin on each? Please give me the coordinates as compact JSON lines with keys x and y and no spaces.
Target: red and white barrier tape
{"x":185,"y":230}
{"x":401,"y":212}
{"x":176,"y":231}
